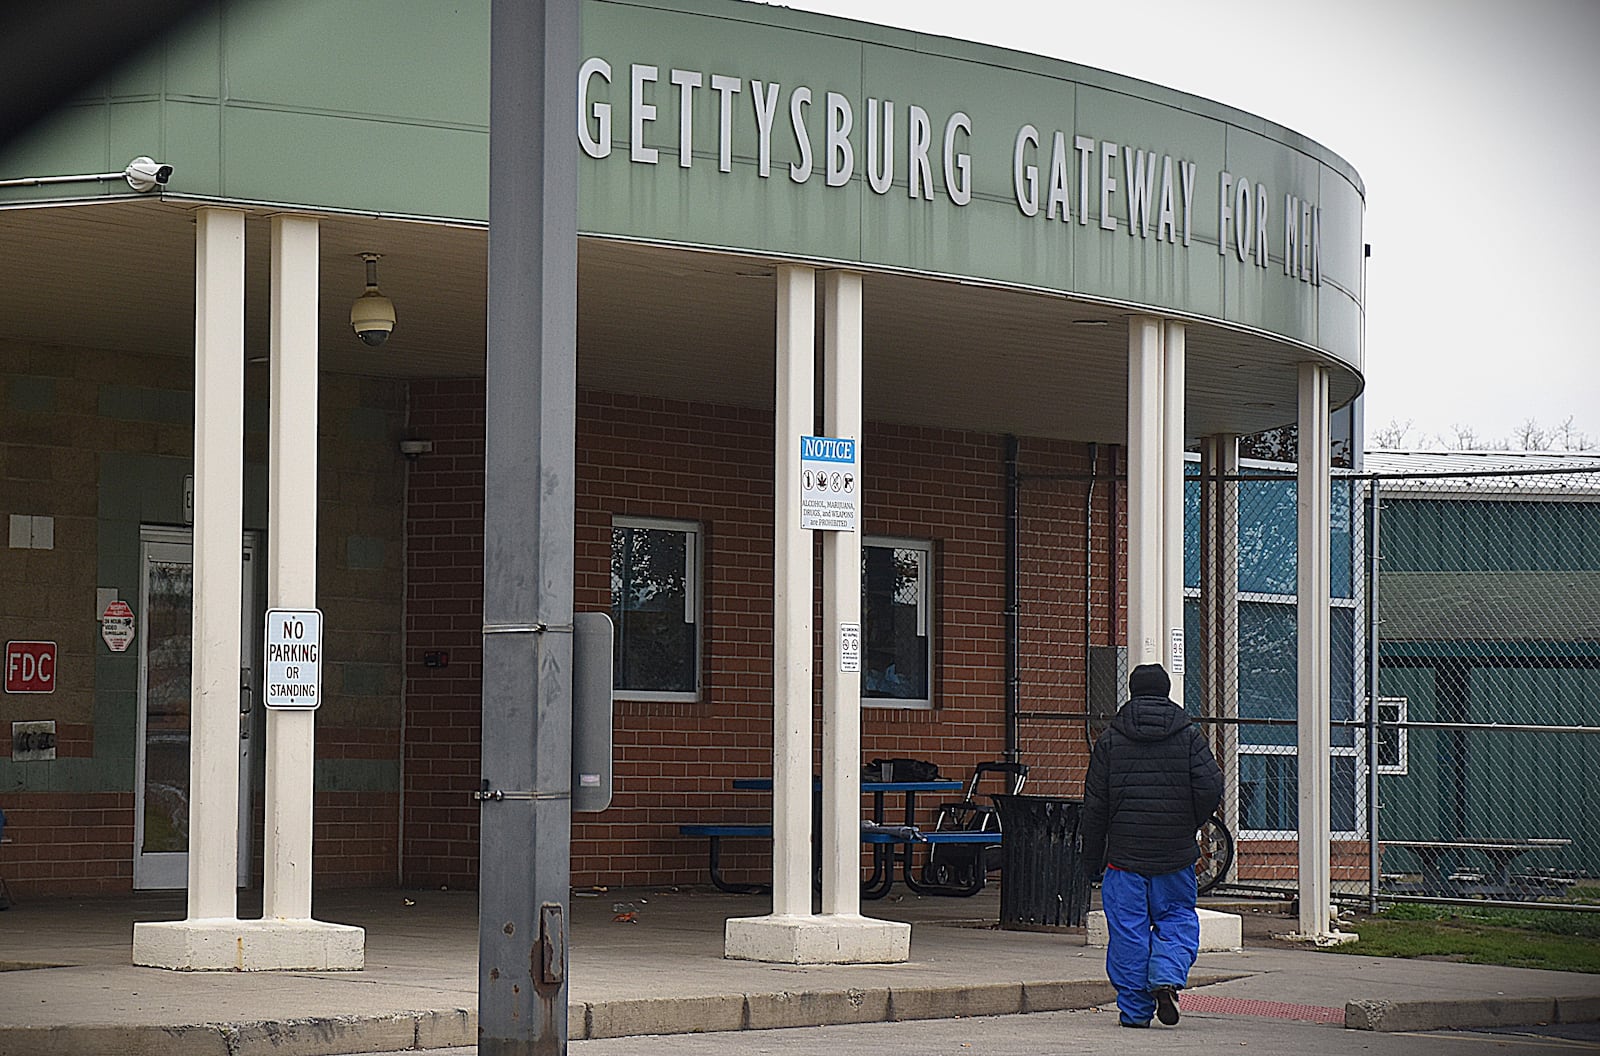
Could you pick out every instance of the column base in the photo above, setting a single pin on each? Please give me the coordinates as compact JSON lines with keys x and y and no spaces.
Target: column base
{"x":1327,"y":938}
{"x":1219,"y":932}
{"x":227,"y":945}
{"x":836,"y":939}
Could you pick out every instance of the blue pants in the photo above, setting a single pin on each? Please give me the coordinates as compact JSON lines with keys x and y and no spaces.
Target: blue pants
{"x":1154,"y":936}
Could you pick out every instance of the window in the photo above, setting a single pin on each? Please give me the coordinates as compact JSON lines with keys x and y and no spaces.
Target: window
{"x":897,"y":617}
{"x":1268,"y":773}
{"x":1391,"y":740}
{"x":655,"y":605}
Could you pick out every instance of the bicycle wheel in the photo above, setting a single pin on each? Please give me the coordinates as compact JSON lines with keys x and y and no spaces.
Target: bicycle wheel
{"x":1216,"y":854}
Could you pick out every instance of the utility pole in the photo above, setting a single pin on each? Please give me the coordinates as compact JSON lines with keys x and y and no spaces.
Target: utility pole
{"x":529,"y":496}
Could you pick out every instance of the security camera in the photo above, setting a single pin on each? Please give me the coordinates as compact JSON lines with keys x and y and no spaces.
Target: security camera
{"x":372,"y":316}
{"x":145,"y":174}
{"x":415,"y":449}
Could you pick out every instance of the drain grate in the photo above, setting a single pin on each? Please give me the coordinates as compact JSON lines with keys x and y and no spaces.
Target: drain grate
{"x":1238,"y":1006}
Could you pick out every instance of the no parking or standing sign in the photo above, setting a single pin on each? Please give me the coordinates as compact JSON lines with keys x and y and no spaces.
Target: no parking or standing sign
{"x":294,"y":659}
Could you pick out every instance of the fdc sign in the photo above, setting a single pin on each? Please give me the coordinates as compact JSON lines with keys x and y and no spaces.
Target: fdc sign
{"x":30,"y":667}
{"x":294,"y":659}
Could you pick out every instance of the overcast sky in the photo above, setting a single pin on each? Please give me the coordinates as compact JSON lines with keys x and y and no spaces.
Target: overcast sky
{"x":1475,"y":125}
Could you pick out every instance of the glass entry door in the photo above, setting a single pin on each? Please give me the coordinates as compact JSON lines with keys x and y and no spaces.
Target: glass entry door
{"x":162,"y":792}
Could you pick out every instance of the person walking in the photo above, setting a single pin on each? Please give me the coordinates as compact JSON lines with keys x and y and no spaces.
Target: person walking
{"x":1152,"y":782}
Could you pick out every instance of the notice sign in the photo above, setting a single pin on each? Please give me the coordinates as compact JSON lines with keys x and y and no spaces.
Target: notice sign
{"x":116,"y":626}
{"x":849,"y":647}
{"x":830,"y":484}
{"x":294,"y":659}
{"x":1177,"y":650}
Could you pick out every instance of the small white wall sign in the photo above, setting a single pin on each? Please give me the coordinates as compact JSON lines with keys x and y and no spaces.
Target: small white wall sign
{"x":850,"y":647}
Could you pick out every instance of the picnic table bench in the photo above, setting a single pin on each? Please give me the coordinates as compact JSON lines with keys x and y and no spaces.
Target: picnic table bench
{"x":1439,"y":878}
{"x":897,"y":842}
{"x":885,"y":839}
{"x":883,"y":872}
{"x":716,"y":834}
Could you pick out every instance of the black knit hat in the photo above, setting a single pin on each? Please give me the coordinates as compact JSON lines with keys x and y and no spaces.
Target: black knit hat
{"x":1149,"y":680}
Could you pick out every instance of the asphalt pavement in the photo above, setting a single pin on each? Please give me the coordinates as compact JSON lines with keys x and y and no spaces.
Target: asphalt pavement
{"x":659,"y":970}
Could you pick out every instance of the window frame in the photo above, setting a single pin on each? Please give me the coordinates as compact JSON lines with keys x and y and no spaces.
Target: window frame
{"x":694,"y":608}
{"x":1355,"y":750}
{"x":927,"y":618}
{"x":1355,"y":532}
{"x":1400,"y":706}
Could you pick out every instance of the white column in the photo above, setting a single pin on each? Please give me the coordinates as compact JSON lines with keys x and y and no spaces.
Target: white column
{"x":1146,"y":620}
{"x":792,"y":934}
{"x":218,"y":529}
{"x":292,"y":554}
{"x":841,"y":604}
{"x":1172,"y":504}
{"x":287,"y":939}
{"x":792,"y":598}
{"x":1313,"y":502}
{"x":286,"y":936}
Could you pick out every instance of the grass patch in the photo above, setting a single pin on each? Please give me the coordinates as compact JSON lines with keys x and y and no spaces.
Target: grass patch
{"x":1548,"y":922}
{"x":1566,"y":942}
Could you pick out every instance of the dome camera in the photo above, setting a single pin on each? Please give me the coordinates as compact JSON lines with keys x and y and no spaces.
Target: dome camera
{"x":372,"y":316}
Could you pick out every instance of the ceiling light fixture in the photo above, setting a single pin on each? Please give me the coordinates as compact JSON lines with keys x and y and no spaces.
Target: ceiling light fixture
{"x":372,"y":316}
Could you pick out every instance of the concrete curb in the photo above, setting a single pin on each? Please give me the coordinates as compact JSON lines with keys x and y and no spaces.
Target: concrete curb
{"x":435,"y":1029}
{"x":311,"y":1036}
{"x":320,"y":1036}
{"x":1396,"y":1016}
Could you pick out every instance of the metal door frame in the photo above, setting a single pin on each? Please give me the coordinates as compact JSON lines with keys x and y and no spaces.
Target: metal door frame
{"x":169,"y":870}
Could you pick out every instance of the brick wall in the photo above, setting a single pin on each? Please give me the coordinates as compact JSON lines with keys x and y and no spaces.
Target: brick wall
{"x":444,"y":614}
{"x":100,"y":441}
{"x":1070,"y":588}
{"x":68,"y":843}
{"x":642,"y":456}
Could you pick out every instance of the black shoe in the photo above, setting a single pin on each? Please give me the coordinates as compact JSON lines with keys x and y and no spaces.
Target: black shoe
{"x":1130,"y":1023}
{"x":1167,"y":1005}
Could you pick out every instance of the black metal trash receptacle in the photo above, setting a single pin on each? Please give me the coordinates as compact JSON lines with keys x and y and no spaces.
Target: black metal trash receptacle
{"x":1042,"y":882}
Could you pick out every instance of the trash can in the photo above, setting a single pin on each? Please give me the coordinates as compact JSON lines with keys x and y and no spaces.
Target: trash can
{"x":1042,"y":883}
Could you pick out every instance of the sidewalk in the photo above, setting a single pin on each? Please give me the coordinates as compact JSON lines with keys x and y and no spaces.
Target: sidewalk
{"x":67,"y":987}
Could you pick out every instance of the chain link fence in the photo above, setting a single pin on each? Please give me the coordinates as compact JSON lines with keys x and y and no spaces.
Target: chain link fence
{"x":1465,"y":666}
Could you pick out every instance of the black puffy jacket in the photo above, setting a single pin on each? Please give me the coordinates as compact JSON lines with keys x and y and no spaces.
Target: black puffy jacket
{"x":1152,"y":782}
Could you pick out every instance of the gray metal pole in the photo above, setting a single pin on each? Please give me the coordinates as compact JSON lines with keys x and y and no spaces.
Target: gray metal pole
{"x":1374,"y":688}
{"x":531,"y":392}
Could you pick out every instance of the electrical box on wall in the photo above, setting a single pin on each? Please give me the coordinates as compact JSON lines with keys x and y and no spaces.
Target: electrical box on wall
{"x":1108,"y":684}
{"x":591,"y":711}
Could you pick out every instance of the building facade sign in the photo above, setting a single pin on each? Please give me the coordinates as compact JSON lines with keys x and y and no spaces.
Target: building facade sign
{"x":908,"y":153}
{"x":756,"y":130}
{"x":1109,"y":184}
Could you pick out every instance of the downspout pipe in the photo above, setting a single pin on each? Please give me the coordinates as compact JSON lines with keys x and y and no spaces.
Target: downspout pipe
{"x":1088,"y":571}
{"x":1013,"y":673}
{"x":1114,"y":565}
